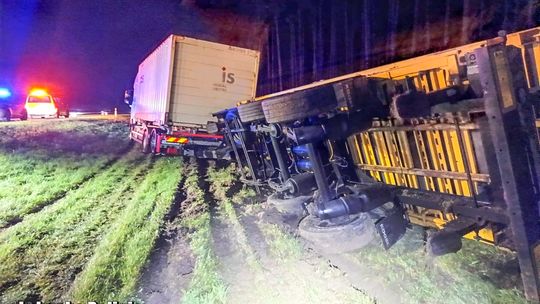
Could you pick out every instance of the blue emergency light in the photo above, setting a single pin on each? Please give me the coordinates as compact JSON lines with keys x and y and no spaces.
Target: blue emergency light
{"x":4,"y":93}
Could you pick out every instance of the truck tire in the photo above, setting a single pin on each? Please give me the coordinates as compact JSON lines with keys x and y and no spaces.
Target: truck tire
{"x":146,"y":142}
{"x":357,"y":233}
{"x":299,"y":105}
{"x":250,"y":111}
{"x":24,"y":115}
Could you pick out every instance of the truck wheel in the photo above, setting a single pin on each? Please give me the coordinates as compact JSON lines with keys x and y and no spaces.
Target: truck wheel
{"x":300,"y":104}
{"x":250,"y":111}
{"x":291,"y":205}
{"x":330,"y":238}
{"x":146,"y":142}
{"x":24,"y":115}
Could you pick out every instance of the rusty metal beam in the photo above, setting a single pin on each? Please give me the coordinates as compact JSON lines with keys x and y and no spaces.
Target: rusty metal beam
{"x":513,"y":133}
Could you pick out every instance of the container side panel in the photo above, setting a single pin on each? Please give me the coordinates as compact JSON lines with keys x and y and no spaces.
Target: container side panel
{"x":151,"y":86}
{"x":209,"y":77}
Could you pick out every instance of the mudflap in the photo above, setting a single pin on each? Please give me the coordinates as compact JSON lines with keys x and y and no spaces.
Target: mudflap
{"x":392,"y":226}
{"x":220,"y":153}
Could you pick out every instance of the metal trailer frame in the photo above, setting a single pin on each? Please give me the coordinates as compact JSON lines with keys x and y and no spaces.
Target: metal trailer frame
{"x":514,"y":165}
{"x":509,"y":129}
{"x":262,"y":147}
{"x":508,"y":139}
{"x":512,"y":127}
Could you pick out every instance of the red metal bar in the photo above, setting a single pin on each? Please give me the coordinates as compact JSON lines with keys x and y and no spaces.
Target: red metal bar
{"x":197,"y":135}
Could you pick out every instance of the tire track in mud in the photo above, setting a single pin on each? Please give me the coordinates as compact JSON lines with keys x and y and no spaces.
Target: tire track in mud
{"x":359,"y":277}
{"x":169,"y":269}
{"x":138,"y":163}
{"x":302,"y":277}
{"x":363,"y":280}
{"x":255,"y":237}
{"x":239,"y":266}
{"x":141,"y":164}
{"x":18,"y":219}
{"x":234,"y":269}
{"x":318,"y":280}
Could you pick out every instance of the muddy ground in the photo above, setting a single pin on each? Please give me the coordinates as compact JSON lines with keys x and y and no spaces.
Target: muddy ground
{"x":262,"y":260}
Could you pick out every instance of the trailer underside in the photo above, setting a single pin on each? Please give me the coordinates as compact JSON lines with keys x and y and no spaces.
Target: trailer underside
{"x":449,"y":138}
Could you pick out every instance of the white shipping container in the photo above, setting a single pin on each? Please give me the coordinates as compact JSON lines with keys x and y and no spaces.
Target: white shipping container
{"x":185,"y":80}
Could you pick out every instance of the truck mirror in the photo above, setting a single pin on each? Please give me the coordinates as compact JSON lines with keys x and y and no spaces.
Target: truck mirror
{"x":128,"y":97}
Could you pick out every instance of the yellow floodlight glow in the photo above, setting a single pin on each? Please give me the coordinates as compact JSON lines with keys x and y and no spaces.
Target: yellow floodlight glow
{"x":38,"y":92}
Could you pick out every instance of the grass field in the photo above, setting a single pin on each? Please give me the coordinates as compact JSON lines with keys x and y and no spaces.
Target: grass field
{"x":80,"y":210}
{"x":42,"y":161}
{"x":478,"y":273}
{"x":206,"y":285}
{"x":84,"y":216}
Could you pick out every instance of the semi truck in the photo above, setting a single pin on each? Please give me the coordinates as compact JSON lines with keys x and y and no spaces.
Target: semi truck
{"x":177,"y":89}
{"x":448,"y":141}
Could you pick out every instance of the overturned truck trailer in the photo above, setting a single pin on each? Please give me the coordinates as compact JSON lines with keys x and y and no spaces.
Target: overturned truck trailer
{"x":178,"y":87}
{"x":447,"y":140}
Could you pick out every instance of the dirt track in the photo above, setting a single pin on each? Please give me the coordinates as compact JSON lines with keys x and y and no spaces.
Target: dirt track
{"x":261,"y":260}
{"x":214,"y":241}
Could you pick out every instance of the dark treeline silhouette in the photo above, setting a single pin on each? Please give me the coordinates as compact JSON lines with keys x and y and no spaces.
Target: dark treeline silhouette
{"x":318,"y":39}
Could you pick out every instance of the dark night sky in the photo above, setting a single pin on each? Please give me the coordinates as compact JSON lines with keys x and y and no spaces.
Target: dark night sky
{"x":87,"y":51}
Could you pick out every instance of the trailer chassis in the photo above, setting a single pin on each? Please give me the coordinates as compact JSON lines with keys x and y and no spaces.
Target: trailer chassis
{"x":505,"y":115}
